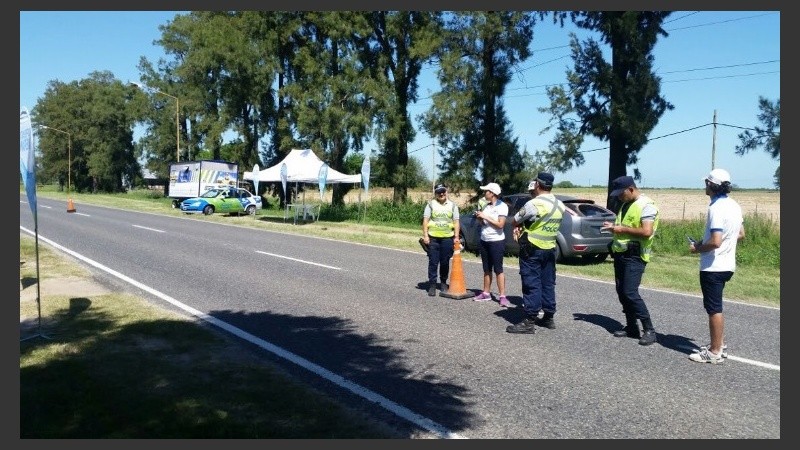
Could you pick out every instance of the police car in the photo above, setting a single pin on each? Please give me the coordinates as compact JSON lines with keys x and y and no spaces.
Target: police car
{"x":225,"y":199}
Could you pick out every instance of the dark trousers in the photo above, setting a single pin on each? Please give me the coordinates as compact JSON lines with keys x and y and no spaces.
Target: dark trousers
{"x":537,"y":268}
{"x":628,"y":271}
{"x":439,"y":253}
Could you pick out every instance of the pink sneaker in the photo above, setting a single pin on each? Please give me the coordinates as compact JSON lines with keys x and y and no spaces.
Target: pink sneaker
{"x":504,"y":301}
{"x":482,"y":297}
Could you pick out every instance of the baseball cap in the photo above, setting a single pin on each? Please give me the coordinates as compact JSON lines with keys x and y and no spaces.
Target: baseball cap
{"x":494,"y":188}
{"x":718,"y":176}
{"x":544,"y":178}
{"x":440,"y":188}
{"x":620,"y":184}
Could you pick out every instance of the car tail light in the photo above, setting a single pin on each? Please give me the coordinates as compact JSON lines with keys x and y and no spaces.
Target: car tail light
{"x":580,"y":247}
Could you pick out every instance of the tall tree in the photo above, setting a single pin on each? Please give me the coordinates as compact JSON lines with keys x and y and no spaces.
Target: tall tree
{"x":400,"y":43}
{"x":618,"y":102}
{"x":96,"y":142}
{"x":467,"y":116}
{"x":767,"y":138}
{"x":223,"y":69}
{"x":332,"y":95}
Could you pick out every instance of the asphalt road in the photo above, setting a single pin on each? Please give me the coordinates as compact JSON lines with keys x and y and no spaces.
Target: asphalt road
{"x":355,"y":321}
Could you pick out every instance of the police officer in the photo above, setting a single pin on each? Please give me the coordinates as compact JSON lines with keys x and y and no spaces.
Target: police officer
{"x":440,"y":228}
{"x":634,"y":230}
{"x":535,"y":228}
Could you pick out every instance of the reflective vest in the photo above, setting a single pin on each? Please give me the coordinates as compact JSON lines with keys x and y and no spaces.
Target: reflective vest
{"x":542,"y":232}
{"x":441,"y":223}
{"x":633,"y":219}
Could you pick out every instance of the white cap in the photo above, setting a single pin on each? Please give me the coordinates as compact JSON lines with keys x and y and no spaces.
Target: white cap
{"x":718,"y":176}
{"x":494,"y":188}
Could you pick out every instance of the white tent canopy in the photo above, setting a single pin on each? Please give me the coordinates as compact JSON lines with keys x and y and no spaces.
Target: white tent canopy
{"x":302,"y":166}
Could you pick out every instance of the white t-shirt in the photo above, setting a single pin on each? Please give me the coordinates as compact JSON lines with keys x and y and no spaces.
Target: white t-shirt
{"x":489,"y":232}
{"x":724,"y":215}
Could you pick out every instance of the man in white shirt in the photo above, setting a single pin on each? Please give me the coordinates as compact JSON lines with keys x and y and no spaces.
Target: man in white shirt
{"x":724,"y":229}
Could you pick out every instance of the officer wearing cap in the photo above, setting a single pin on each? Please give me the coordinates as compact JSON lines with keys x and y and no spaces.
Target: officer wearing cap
{"x":535,"y":227}
{"x":634,"y":230}
{"x":440,"y":229}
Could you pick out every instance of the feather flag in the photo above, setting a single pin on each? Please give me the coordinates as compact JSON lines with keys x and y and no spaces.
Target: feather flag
{"x":365,"y":174}
{"x":27,"y":158}
{"x":323,"y":179}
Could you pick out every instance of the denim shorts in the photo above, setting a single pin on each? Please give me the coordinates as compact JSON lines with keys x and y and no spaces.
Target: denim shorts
{"x":712,"y":285}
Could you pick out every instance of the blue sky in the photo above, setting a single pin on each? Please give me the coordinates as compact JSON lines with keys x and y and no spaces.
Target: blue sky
{"x":712,"y":61}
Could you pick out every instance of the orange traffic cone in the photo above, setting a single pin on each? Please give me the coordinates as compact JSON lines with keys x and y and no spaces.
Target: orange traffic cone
{"x":457,"y":289}
{"x":70,"y":206}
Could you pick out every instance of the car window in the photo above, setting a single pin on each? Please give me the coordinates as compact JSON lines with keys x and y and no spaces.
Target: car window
{"x":591,"y":210}
{"x":519,"y":202}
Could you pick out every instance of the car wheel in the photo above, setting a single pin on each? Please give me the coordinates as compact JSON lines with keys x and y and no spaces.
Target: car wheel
{"x":251,"y":210}
{"x":559,"y":255}
{"x":176,"y":204}
{"x":463,"y":242}
{"x":208,"y":210}
{"x":597,"y":258}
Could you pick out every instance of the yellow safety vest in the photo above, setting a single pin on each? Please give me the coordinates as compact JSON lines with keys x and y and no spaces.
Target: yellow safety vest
{"x":441,"y":223}
{"x":542,"y":232}
{"x":633,"y":219}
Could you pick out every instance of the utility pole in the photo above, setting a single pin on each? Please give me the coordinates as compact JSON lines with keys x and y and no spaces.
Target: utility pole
{"x":714,"y":141}
{"x":433,"y":166}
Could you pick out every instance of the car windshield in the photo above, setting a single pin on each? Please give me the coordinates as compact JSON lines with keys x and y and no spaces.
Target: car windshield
{"x":211,"y":193}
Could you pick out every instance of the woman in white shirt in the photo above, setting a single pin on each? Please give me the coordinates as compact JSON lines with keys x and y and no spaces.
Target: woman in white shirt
{"x":492,"y":219}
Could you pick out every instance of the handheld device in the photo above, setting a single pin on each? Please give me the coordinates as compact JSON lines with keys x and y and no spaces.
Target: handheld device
{"x":691,"y":240}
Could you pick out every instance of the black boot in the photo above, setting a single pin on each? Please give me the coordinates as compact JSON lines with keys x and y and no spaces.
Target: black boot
{"x":546,"y":321}
{"x":524,"y":327}
{"x":649,"y":335}
{"x":631,"y":330}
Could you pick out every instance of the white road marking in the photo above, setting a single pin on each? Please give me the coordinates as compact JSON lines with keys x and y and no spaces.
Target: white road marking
{"x":299,"y":260}
{"x":148,"y":228}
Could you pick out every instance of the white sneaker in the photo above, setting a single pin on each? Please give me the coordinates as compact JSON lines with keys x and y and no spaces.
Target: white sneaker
{"x":723,"y":353}
{"x":705,"y":356}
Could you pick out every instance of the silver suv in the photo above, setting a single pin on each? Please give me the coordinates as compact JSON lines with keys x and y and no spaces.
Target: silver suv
{"x":579,"y":236}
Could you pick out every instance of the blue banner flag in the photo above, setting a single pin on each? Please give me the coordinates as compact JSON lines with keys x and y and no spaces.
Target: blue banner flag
{"x":27,"y":158}
{"x":365,"y":174}
{"x":255,"y":178}
{"x":284,"y":176}
{"x":323,"y":178}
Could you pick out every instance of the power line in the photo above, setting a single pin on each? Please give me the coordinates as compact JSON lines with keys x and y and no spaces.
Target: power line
{"x":675,"y":133}
{"x":722,"y":76}
{"x":722,"y":67}
{"x":719,"y":22}
{"x":685,"y":130}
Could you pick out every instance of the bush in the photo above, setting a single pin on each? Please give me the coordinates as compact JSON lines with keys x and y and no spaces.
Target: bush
{"x":379,"y":212}
{"x":760,"y":247}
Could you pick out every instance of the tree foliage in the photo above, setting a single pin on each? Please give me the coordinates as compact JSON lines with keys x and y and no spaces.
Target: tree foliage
{"x":617,"y":101}
{"x":467,"y":117}
{"x":766,"y":137}
{"x":400,"y":43}
{"x":333,"y":80}
{"x":94,"y":150}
